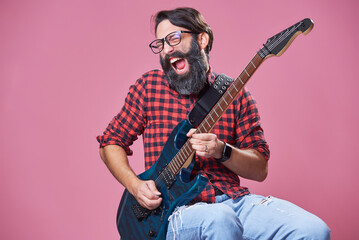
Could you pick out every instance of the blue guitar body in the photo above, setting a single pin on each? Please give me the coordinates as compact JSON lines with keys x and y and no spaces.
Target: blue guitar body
{"x":136,"y":222}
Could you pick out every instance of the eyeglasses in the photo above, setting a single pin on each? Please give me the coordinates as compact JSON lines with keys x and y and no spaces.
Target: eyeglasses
{"x":172,"y":39}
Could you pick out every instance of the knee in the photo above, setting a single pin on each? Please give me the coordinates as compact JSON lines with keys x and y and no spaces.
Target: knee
{"x":314,"y":230}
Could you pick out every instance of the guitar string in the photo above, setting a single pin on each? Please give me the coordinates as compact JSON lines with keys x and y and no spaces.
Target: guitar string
{"x":268,"y":47}
{"x":276,"y":42}
{"x":280,"y":39}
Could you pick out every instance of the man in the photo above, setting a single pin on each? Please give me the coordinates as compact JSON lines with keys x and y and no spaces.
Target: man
{"x":158,"y":101}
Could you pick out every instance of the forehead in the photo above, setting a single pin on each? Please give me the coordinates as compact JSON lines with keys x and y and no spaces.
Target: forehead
{"x":165,"y":27}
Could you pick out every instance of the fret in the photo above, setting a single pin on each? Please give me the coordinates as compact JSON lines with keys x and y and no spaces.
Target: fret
{"x":176,"y":169}
{"x":199,"y":129}
{"x":210,"y":115}
{"x":234,"y":86}
{"x":184,"y":148}
{"x":246,"y":72}
{"x":214,"y":110}
{"x":205,"y":129}
{"x":253,"y":65}
{"x":171,"y":168}
{"x":224,"y":99}
{"x":180,"y":160}
{"x":240,"y":79}
{"x":207,"y":122}
{"x":183,"y":155}
{"x":229,"y":93}
{"x":188,"y":146}
{"x":176,"y":164}
{"x":220,"y":107}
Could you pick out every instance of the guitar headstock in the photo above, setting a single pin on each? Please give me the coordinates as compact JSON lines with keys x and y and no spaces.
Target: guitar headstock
{"x":276,"y":45}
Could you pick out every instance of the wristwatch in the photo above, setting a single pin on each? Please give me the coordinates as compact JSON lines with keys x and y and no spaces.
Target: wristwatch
{"x":226,"y":153}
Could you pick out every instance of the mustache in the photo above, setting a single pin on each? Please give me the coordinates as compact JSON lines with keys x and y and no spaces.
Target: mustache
{"x":176,"y":54}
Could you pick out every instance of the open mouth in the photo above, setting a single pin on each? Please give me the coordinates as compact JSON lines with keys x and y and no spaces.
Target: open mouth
{"x":180,"y":65}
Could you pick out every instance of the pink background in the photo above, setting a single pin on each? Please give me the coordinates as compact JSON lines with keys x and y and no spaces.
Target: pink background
{"x":66,"y":66}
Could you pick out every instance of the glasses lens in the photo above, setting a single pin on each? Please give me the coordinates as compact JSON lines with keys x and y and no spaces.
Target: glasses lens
{"x":157,"y":46}
{"x":174,"y":38}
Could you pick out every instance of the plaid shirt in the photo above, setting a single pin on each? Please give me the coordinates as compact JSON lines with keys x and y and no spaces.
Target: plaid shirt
{"x":153,"y":109}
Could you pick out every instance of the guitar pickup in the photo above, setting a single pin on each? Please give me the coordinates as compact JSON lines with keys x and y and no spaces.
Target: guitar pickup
{"x":140,"y":212}
{"x":167,"y":177}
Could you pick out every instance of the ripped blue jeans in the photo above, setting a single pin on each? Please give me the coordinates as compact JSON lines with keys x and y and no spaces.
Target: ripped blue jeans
{"x":248,"y":217}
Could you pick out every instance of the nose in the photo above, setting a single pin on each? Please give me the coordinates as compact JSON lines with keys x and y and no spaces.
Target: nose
{"x":167,"y":48}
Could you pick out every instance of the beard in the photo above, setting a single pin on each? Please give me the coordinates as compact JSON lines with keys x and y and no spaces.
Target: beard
{"x":195,"y":79}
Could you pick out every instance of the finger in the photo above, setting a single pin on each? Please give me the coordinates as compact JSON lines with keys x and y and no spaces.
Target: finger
{"x":200,"y":142}
{"x":190,"y":132}
{"x":209,"y":143}
{"x":201,"y":150}
{"x":204,"y":136}
{"x":145,"y":192}
{"x":149,"y":203}
{"x":149,"y":195}
{"x":152,"y":186}
{"x":198,"y":147}
{"x":202,"y":154}
{"x":153,"y":204}
{"x":154,"y":201}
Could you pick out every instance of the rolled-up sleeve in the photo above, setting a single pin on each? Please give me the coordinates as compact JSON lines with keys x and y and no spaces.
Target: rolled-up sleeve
{"x":249,"y":131}
{"x":130,"y":122}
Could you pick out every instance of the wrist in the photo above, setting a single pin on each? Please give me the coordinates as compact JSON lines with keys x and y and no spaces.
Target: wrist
{"x":220,"y":148}
{"x":226,"y":153}
{"x":133,"y":184}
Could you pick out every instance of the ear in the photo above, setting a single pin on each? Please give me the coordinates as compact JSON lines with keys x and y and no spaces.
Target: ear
{"x":203,"y":39}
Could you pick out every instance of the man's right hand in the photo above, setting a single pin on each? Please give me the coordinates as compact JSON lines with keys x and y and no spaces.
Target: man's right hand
{"x":146,"y":194}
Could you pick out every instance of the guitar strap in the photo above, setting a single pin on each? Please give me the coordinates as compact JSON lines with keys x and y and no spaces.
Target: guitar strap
{"x":209,"y":98}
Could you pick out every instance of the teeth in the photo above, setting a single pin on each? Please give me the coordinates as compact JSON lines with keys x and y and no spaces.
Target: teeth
{"x":174,"y":60}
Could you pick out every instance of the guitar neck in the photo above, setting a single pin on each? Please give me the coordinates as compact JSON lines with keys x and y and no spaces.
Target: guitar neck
{"x":215,"y":114}
{"x":228,"y":97}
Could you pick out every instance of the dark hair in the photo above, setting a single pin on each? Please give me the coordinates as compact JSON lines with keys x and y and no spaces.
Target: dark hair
{"x":188,"y":18}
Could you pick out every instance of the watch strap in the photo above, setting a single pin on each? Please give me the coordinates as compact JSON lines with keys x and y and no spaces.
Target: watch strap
{"x":227,"y":151}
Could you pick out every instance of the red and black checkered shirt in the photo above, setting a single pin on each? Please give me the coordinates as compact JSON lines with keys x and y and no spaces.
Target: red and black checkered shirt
{"x":153,"y":109}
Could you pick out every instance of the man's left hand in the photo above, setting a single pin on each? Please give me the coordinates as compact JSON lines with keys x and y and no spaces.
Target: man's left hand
{"x":206,"y":144}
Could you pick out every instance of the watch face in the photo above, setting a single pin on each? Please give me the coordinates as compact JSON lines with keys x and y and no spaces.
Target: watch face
{"x":227,"y":152}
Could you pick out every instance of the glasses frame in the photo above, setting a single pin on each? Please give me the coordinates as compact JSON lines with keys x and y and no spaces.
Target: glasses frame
{"x":163,"y":40}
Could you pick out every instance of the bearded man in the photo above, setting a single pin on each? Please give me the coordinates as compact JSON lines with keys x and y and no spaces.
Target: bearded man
{"x":235,"y":148}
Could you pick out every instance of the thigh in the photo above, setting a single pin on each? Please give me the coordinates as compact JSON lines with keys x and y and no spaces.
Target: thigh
{"x":274,"y":218}
{"x":204,"y":221}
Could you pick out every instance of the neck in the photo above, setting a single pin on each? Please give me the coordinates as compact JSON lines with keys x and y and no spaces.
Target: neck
{"x":206,"y":59}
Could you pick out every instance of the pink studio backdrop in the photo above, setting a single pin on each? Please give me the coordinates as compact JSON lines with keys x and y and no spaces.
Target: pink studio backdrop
{"x":66,"y":66}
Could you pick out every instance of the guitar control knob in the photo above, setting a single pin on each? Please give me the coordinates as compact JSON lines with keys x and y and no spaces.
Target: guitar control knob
{"x":151,"y":233}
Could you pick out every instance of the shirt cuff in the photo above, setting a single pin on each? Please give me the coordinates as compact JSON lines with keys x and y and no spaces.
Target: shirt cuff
{"x":105,"y":140}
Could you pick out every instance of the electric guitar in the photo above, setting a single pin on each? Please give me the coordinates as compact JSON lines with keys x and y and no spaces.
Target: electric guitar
{"x":171,"y":172}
